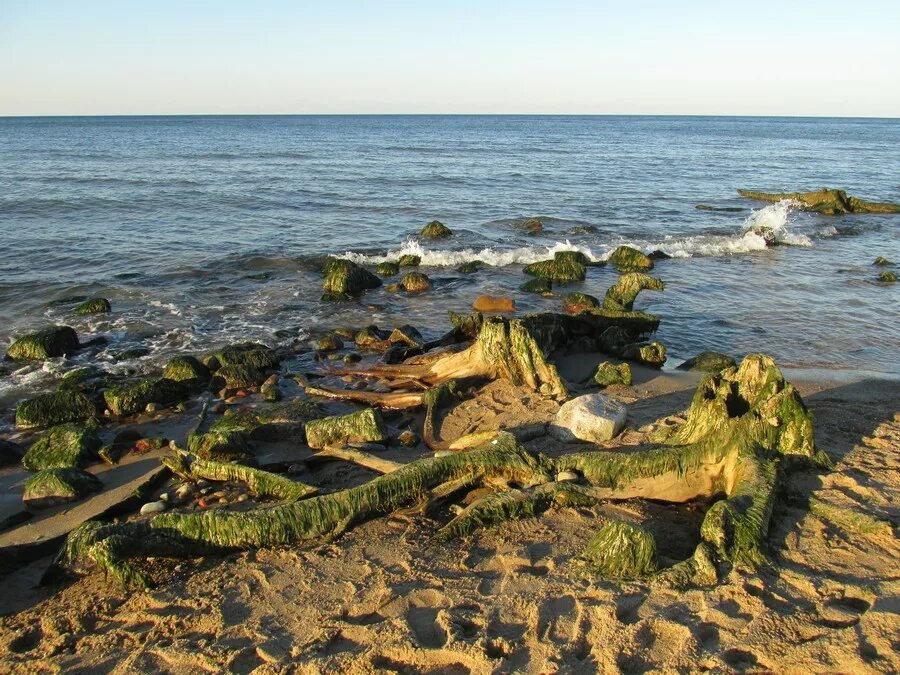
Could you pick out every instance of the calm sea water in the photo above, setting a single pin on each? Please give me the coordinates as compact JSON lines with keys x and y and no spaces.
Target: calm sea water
{"x":202,"y":230}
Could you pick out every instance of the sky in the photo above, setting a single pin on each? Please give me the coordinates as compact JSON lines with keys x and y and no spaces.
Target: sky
{"x":133,"y":57}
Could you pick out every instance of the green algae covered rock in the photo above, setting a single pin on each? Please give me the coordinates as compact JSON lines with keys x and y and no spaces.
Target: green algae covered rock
{"x":882,"y":261}
{"x":467,"y":325}
{"x":183,"y":368}
{"x":415,"y":282}
{"x":620,"y":297}
{"x":370,"y":336}
{"x":93,"y":306}
{"x":565,"y":267}
{"x":575,"y":303}
{"x":50,"y":487}
{"x":62,"y":446}
{"x":387,"y":269}
{"x":409,"y":260}
{"x":48,"y":410}
{"x":826,"y":201}
{"x":887,"y":277}
{"x":435,"y":230}
{"x":345,"y":279}
{"x":537,"y":285}
{"x":363,"y":426}
{"x":651,"y":354}
{"x":329,"y":342}
{"x":621,"y":551}
{"x":708,"y":362}
{"x":608,"y":374}
{"x":406,"y":335}
{"x":222,"y":445}
{"x":470,"y":267}
{"x":44,"y":344}
{"x":132,"y":398}
{"x":628,"y":259}
{"x":239,"y":377}
{"x":252,"y":354}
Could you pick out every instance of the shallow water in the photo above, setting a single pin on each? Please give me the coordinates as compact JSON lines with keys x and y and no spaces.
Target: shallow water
{"x":202,"y":230}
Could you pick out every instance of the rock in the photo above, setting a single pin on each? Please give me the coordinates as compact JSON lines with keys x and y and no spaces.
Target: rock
{"x":252,"y":354}
{"x":409,"y":260}
{"x":269,"y":389}
{"x":567,"y":476}
{"x":443,"y":453}
{"x":359,"y":427}
{"x":827,"y":201}
{"x":564,"y":268}
{"x":237,"y":377}
{"x":123,"y":442}
{"x":406,"y":335}
{"x":93,"y":306}
{"x":538,"y":285}
{"x":608,"y":374}
{"x":882,"y":261}
{"x":153,"y":507}
{"x":184,"y":492}
{"x":887,"y":277}
{"x":621,"y":550}
{"x":620,"y":296}
{"x":370,"y":335}
{"x":656,"y":254}
{"x":491,"y":303}
{"x":352,"y":357}
{"x":345,"y":279}
{"x":651,"y":354}
{"x":415,"y":282}
{"x":130,"y":399}
{"x":576,"y":303}
{"x":582,"y":229}
{"x":435,"y":230}
{"x":152,"y":408}
{"x":183,"y":368}
{"x":130,"y":354}
{"x":387,"y":269}
{"x":50,"y":487}
{"x":469,"y":267}
{"x":48,"y":410}
{"x":533,"y":225}
{"x":329,"y":343}
{"x":408,"y":438}
{"x":593,"y":418}
{"x":708,"y":362}
{"x":467,"y":326}
{"x":628,"y":259}
{"x":62,"y":446}
{"x":44,"y":344}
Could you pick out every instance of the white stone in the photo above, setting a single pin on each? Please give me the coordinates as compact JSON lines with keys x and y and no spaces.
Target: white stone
{"x":564,"y":476}
{"x":593,"y":418}
{"x":153,"y":507}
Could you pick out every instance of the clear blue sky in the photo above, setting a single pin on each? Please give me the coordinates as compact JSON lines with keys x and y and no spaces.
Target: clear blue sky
{"x":703,"y":57}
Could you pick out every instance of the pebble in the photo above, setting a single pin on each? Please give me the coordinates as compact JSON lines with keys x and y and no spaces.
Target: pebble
{"x":205,"y":491}
{"x":202,"y":483}
{"x":242,"y":498}
{"x":151,"y":408}
{"x":408,"y":438}
{"x":153,"y":507}
{"x":567,"y":476}
{"x":218,"y":408}
{"x":164,"y":497}
{"x":184,"y":492}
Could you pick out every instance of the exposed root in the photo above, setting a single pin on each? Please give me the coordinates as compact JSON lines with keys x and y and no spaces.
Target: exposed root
{"x":364,"y":459}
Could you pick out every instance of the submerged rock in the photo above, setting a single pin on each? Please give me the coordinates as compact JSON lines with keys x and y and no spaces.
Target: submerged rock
{"x":360,"y":427}
{"x":409,"y":260}
{"x":183,"y":368}
{"x":723,"y":209}
{"x":62,"y":446}
{"x":887,"y":277}
{"x":44,"y":344}
{"x":130,"y":399}
{"x":469,"y":267}
{"x":629,"y":259}
{"x":329,"y":343}
{"x":415,"y":282}
{"x":537,"y":285}
{"x":608,"y":374}
{"x":593,"y":418}
{"x":387,"y":269}
{"x":253,"y":354}
{"x":882,"y":261}
{"x":582,"y":229}
{"x":708,"y":362}
{"x":491,"y":303}
{"x":93,"y":306}
{"x":435,"y":230}
{"x":345,"y":279}
{"x":575,"y":303}
{"x":50,"y":487}
{"x":533,"y":225}
{"x":48,"y":410}
{"x":826,"y":201}
{"x":565,"y":267}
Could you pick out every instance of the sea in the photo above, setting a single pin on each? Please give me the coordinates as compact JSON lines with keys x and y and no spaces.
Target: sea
{"x":205,"y":230}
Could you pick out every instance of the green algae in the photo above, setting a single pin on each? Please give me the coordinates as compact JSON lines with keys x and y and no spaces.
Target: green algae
{"x":50,"y":487}
{"x":537,"y":285}
{"x":621,"y":551}
{"x":435,"y":230}
{"x":93,"y":306}
{"x":183,"y":368}
{"x":469,"y":267}
{"x":387,"y":269}
{"x":409,"y":260}
{"x":708,"y":362}
{"x":576,"y":302}
{"x":565,"y":267}
{"x":46,"y":343}
{"x":363,"y":426}
{"x":629,"y":259}
{"x":608,"y":374}
{"x":62,"y":446}
{"x":415,"y":282}
{"x":132,"y":398}
{"x":345,"y":280}
{"x":826,"y":201}
{"x":49,"y":410}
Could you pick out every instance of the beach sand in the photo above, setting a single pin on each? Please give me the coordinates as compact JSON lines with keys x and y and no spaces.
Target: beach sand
{"x":385,"y":598}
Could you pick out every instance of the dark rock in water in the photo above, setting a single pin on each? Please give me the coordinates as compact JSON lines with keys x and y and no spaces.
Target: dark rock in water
{"x":252,"y":354}
{"x":658,"y":255}
{"x":882,"y":261}
{"x":826,"y":201}
{"x":575,"y":303}
{"x":185,"y":368}
{"x":49,"y":410}
{"x":370,"y":335}
{"x":329,"y":343}
{"x":363,"y":426}
{"x":537,"y":285}
{"x":628,"y":259}
{"x":62,"y":446}
{"x":132,"y":398}
{"x":93,"y":306}
{"x":467,"y":325}
{"x":608,"y":374}
{"x":129,"y":354}
{"x":887,"y":277}
{"x":723,"y":209}
{"x":238,"y":377}
{"x":345,"y":279}
{"x":50,"y":487}
{"x":387,"y":269}
{"x":651,"y":354}
{"x":470,"y":267}
{"x":10,"y":453}
{"x":79,"y":377}
{"x":352,"y":357}
{"x":44,"y":344}
{"x":533,"y":225}
{"x":435,"y":230}
{"x":491,"y":303}
{"x":564,"y":268}
{"x":415,"y":282}
{"x":708,"y":362}
{"x":406,"y":335}
{"x":409,"y":260}
{"x":345,"y":332}
{"x":582,"y":229}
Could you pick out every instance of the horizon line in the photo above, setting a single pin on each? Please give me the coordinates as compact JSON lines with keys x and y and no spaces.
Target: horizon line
{"x":436,"y":114}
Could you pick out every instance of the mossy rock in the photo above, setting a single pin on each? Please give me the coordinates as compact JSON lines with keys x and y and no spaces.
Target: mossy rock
{"x":628,"y":259}
{"x":582,"y":229}
{"x":409,"y":260}
{"x":62,"y":446}
{"x":415,"y":282}
{"x":221,"y":445}
{"x":270,"y":422}
{"x":537,"y":285}
{"x":387,"y":269}
{"x":608,"y":374}
{"x":44,"y":344}
{"x":49,"y":410}
{"x":620,"y":296}
{"x":470,"y":267}
{"x":93,"y":306}
{"x":77,"y":378}
{"x":887,"y":277}
{"x":130,"y":354}
{"x":532,"y":225}
{"x":827,"y":201}
{"x":345,"y":279}
{"x":123,"y":441}
{"x":329,"y":343}
{"x":364,"y":426}
{"x":370,"y":335}
{"x":252,"y":354}
{"x":270,"y":390}
{"x":239,"y":377}
{"x":406,"y":335}
{"x":656,"y":254}
{"x":132,"y":398}
{"x":566,"y":267}
{"x":435,"y":230}
{"x":183,"y":368}
{"x":621,"y":551}
{"x":708,"y":362}
{"x":50,"y":487}
{"x":576,"y":303}
{"x":467,"y":325}
{"x":652,"y":354}
{"x":882,"y":261}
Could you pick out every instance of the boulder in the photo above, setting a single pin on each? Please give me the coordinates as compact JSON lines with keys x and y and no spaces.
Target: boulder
{"x":415,"y":282}
{"x":329,"y":342}
{"x":469,"y":267}
{"x":608,"y":374}
{"x":345,"y":279}
{"x":364,"y":426}
{"x":93,"y":306}
{"x":882,"y":261}
{"x":628,"y":259}
{"x":887,"y":277}
{"x":44,"y":344}
{"x":491,"y":303}
{"x":370,"y":336}
{"x":592,"y":418}
{"x":253,"y":354}
{"x":532,"y":225}
{"x":409,"y":260}
{"x":62,"y":446}
{"x":708,"y":362}
{"x":576,"y":303}
{"x":50,"y":487}
{"x":565,"y":267}
{"x":621,"y":551}
{"x":537,"y":285}
{"x":49,"y":410}
{"x":827,"y":201}
{"x":406,"y":335}
{"x":651,"y":354}
{"x":132,"y":398}
{"x":387,"y":269}
{"x":435,"y":230}
{"x":269,"y":389}
{"x":239,"y":377}
{"x":183,"y":368}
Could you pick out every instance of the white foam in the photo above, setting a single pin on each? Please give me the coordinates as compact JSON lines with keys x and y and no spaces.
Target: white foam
{"x":775,"y":218}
